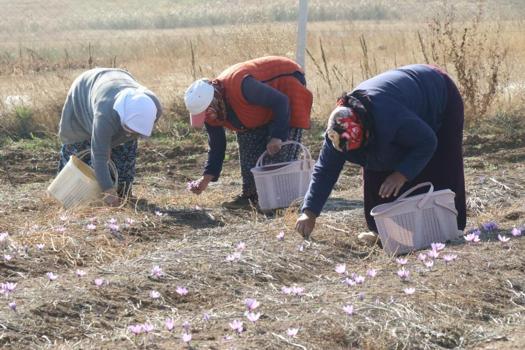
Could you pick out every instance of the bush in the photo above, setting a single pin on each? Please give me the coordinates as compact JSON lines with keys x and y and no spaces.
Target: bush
{"x":476,"y":56}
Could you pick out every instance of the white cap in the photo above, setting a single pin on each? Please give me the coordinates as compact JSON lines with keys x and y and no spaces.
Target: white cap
{"x":136,"y":110}
{"x":198,"y":96}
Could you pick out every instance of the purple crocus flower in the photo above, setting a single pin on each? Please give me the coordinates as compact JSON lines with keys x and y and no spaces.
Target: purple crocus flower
{"x":401,"y":261}
{"x":292,"y":332}
{"x":148,"y":327}
{"x":157,"y":272}
{"x":403,"y":274}
{"x":429,"y":263}
{"x":253,"y":317}
{"x":99,"y":282}
{"x":251,"y":304}
{"x":80,"y":273}
{"x":153,"y":294}
{"x":91,"y":227}
{"x":51,"y":276}
{"x":136,"y":329}
{"x":340,"y":268}
{"x":182,"y":291}
{"x":349,"y":282}
{"x":371,"y":273}
{"x":359,"y":279}
{"x":236,"y":325}
{"x":490,"y":226}
{"x":422,"y":256}
{"x":409,"y":291}
{"x":40,"y":246}
{"x":503,"y":239}
{"x":170,"y":324}
{"x":349,"y":309}
{"x":186,"y":337}
{"x":433,"y":254}
{"x":450,"y":257}
{"x":12,"y":305}
{"x":280,"y":236}
{"x":437,"y":246}
{"x":472,"y":237}
{"x":516,"y":232}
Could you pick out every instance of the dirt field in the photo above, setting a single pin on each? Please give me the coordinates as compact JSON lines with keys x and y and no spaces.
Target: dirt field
{"x":476,"y":301}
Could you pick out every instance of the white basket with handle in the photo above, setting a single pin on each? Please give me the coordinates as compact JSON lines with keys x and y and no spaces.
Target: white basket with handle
{"x":76,"y":183}
{"x":412,"y":223}
{"x":279,"y":184}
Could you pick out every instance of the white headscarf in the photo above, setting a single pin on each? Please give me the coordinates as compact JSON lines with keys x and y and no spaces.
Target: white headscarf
{"x":136,"y":110}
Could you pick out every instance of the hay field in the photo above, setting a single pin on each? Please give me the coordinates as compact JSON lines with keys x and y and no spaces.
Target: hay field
{"x":474,"y":301}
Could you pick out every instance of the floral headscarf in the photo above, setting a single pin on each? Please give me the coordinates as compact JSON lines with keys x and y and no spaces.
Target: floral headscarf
{"x":344,"y":129}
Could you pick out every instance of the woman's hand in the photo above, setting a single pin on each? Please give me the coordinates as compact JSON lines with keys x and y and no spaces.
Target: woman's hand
{"x":305,"y":223}
{"x":274,"y":146}
{"x":392,"y":185}
{"x":198,"y":186}
{"x":111,"y":197}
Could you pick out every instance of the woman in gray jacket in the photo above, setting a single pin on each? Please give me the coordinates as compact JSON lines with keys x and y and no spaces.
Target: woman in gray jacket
{"x":106,"y":110}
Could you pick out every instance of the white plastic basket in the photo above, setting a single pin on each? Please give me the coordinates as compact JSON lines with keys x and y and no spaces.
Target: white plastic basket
{"x":279,"y":184}
{"x":76,"y":183}
{"x":412,"y":223}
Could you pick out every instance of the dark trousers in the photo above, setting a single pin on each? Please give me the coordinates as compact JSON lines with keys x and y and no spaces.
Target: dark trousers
{"x":444,"y":170}
{"x":252,"y":143}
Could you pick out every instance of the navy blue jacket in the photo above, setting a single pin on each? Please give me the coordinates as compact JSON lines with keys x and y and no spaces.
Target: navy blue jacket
{"x":407,"y":110}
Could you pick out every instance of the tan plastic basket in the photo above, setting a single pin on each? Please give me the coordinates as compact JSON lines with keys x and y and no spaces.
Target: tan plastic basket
{"x":76,"y":183}
{"x":279,"y":184}
{"x":412,"y":223}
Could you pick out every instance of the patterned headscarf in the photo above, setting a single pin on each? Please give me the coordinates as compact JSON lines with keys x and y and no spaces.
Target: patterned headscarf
{"x":344,"y":129}
{"x":219,"y":101}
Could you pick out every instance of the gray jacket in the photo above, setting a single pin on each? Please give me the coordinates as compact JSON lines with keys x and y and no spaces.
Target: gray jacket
{"x":88,"y":115}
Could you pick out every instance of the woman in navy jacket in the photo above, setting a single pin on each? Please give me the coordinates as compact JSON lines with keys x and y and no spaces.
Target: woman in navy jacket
{"x":404,"y":126}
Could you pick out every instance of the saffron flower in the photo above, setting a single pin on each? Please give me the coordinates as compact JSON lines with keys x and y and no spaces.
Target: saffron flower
{"x":429,"y":263}
{"x":60,"y":229}
{"x":186,"y":326}
{"x":8,"y":257}
{"x":12,"y":305}
{"x":99,"y":282}
{"x":490,"y":226}
{"x":350,"y":282}
{"x":4,"y":236}
{"x":130,"y":221}
{"x":292,"y":332}
{"x":433,"y":254}
{"x":91,"y":227}
{"x":300,"y":248}
{"x":186,"y":337}
{"x":40,"y":246}
{"x":136,"y":329}
{"x":450,"y":257}
{"x":349,"y":309}
{"x":437,"y":246}
{"x":294,"y":290}
{"x":233,"y":257}
{"x":156,"y":272}
{"x":253,"y":317}
{"x":51,"y":276}
{"x":241,"y":246}
{"x":422,"y":256}
{"x":154,"y":294}
{"x":503,"y":239}
{"x":472,"y":237}
{"x":182,"y":291}
{"x":371,"y":273}
{"x":169,"y":324}
{"x":280,"y":236}
{"x":113,"y":227}
{"x":192,"y":185}
{"x":236,"y":325}
{"x":359,"y":279}
{"x":206,"y":317}
{"x":340,"y":268}
{"x":251,"y":304}
{"x":158,"y":213}
{"x":516,"y":232}
{"x":409,"y":291}
{"x":112,"y":221}
{"x":401,"y":261}
{"x":403,"y":274}
{"x":6,"y":288}
{"x":148,"y":327}
{"x":80,"y":273}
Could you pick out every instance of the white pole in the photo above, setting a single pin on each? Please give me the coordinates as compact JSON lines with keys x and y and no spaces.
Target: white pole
{"x":301,"y":31}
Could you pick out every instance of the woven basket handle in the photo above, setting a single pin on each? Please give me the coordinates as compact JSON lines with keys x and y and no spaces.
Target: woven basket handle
{"x":112,"y":167}
{"x":420,"y":204}
{"x":306,"y":152}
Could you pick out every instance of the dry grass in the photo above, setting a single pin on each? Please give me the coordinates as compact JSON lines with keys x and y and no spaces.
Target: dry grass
{"x":477,"y":301}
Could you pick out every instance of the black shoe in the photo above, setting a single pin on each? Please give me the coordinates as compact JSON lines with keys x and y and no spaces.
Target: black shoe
{"x":241,"y":202}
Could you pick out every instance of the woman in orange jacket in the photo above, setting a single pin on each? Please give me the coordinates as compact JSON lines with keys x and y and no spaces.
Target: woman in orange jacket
{"x":265,"y":101}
